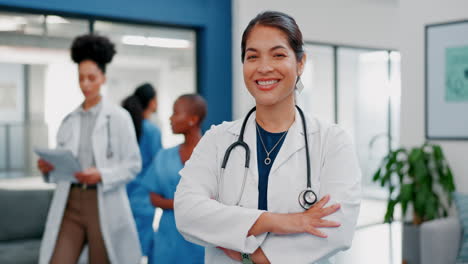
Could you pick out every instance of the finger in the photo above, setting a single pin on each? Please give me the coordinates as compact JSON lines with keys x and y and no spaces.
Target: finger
{"x":316,"y":232}
{"x":79,"y":177}
{"x":329,"y":210}
{"x":321,"y":203}
{"x":326,"y":223}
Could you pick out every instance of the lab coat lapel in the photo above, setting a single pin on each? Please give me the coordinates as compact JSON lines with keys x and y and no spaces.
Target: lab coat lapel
{"x":74,"y":131}
{"x":101,"y":120}
{"x":293,"y":142}
{"x":99,"y":128}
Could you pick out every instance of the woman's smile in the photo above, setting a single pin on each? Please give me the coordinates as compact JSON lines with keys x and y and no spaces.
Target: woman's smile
{"x":267,"y":84}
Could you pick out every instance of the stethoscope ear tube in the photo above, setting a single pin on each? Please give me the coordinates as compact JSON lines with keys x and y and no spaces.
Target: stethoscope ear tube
{"x":307,"y":198}
{"x":306,"y":141}
{"x":240,"y":142}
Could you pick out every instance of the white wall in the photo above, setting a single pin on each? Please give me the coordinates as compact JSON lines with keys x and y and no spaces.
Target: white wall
{"x":369,"y":23}
{"x":414,"y":15}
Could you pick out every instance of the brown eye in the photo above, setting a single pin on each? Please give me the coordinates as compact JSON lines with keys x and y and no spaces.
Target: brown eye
{"x":92,"y":78}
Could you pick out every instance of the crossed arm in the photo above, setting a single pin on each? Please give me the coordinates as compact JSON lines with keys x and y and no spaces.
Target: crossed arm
{"x":284,"y":224}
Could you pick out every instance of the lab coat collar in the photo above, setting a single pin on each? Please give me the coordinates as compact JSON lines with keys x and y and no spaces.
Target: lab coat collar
{"x":93,"y":110}
{"x":312,"y":125}
{"x":105,"y":111}
{"x":293,"y":142}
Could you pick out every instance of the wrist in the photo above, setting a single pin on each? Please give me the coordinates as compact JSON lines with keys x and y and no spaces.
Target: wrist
{"x":284,"y":224}
{"x":259,"y":257}
{"x":246,"y":258}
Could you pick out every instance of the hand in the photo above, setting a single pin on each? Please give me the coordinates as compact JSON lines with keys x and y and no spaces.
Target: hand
{"x":89,"y":176}
{"x":311,"y":219}
{"x":305,"y":222}
{"x":158,"y":200}
{"x":235,"y":255}
{"x":44,"y":166}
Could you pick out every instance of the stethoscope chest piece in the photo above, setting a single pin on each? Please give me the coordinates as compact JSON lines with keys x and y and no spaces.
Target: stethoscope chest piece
{"x":307,"y":198}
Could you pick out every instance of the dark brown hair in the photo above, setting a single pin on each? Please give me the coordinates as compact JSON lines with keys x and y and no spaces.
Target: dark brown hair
{"x":281,"y":21}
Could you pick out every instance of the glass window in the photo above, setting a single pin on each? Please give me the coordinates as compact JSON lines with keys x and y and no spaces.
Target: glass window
{"x":39,"y":45}
{"x":317,"y":98}
{"x":164,"y":57}
{"x":40,"y":31}
{"x":363,"y":92}
{"x":395,"y":93}
{"x":36,"y":48}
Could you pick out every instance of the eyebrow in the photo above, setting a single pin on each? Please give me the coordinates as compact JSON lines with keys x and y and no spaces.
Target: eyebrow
{"x":272,"y":49}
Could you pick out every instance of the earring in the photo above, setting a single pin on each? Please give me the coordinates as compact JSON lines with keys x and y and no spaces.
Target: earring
{"x":299,"y":84}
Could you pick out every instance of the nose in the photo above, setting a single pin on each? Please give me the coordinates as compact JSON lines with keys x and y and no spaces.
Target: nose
{"x":264,"y":66}
{"x":84,"y":83}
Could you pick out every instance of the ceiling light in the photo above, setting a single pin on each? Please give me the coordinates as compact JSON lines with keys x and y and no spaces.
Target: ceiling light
{"x":134,"y":40}
{"x":56,"y":20}
{"x":168,"y":43}
{"x":155,"y":42}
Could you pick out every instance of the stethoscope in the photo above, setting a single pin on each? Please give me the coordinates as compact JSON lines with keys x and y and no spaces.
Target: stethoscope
{"x":109,"y":152}
{"x":306,"y":198}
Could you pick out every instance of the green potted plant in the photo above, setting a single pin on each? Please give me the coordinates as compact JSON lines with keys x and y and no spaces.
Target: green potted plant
{"x":412,"y":177}
{"x":420,"y":177}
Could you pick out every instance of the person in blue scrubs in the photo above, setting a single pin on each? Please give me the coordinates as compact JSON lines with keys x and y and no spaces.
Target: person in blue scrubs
{"x":163,"y":176}
{"x":141,"y":105}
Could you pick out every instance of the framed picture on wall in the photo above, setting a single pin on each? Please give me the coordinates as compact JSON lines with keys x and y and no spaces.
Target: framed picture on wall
{"x":446,"y":81}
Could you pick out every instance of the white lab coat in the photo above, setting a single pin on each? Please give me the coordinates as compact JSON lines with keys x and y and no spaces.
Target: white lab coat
{"x":116,"y":220}
{"x":210,"y":223}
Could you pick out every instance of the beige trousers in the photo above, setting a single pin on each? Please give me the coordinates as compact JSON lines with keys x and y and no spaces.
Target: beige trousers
{"x":80,"y":226}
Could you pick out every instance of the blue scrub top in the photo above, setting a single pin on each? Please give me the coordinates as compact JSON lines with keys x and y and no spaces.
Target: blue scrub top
{"x":138,"y":195}
{"x":169,"y":246}
{"x":270,"y":140}
{"x":150,"y":143}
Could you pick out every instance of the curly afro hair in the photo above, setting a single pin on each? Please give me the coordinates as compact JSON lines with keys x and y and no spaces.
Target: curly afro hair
{"x":93,"y":47}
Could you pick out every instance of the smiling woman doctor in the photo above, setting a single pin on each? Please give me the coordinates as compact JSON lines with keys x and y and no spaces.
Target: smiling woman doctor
{"x":288,"y":190}
{"x":94,"y":210}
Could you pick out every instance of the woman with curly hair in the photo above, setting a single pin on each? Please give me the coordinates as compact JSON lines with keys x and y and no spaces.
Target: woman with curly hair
{"x":93,"y":210}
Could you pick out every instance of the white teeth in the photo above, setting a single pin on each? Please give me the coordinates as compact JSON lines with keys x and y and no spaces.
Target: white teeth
{"x":267,"y":82}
